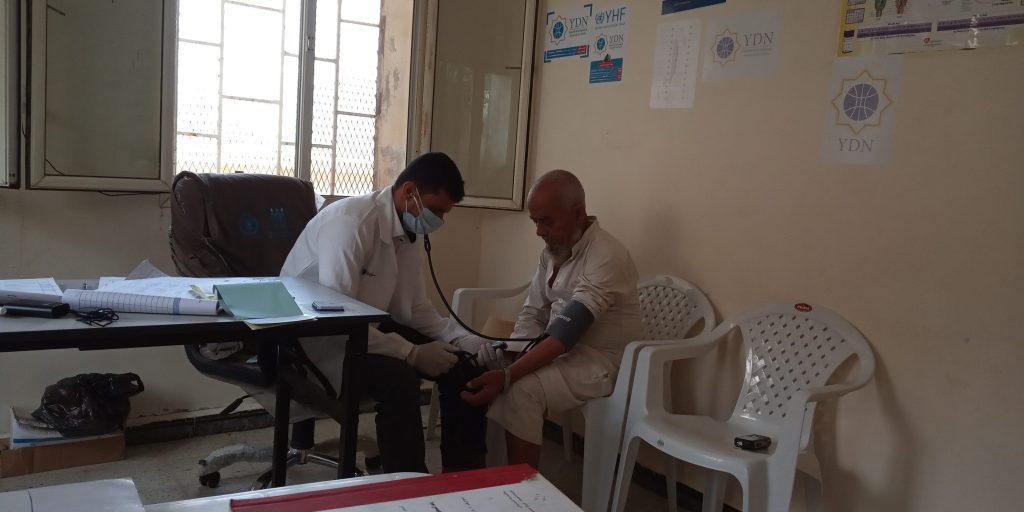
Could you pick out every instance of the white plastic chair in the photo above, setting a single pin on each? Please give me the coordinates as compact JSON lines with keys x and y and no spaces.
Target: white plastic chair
{"x":670,"y":308}
{"x":792,"y":350}
{"x":462,"y":303}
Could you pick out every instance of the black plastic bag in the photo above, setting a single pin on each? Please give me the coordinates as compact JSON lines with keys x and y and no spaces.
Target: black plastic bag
{"x":88,"y":404}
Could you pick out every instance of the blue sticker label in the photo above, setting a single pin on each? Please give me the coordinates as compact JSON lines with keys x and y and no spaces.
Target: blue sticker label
{"x":604,"y":71}
{"x":582,"y":50}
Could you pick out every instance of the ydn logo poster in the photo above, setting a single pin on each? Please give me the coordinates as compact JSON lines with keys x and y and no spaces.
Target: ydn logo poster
{"x":861,"y":111}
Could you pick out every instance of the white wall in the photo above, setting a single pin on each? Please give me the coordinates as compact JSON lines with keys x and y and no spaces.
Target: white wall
{"x":86,"y":234}
{"x":923,"y":255}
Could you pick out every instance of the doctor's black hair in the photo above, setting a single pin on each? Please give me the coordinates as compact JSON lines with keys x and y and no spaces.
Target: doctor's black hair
{"x":432,"y":172}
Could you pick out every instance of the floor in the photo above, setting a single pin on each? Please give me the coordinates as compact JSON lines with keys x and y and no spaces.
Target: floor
{"x":168,"y":471}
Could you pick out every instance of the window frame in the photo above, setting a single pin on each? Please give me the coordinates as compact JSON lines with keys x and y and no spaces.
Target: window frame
{"x":9,"y":13}
{"x":36,"y":100}
{"x":425,"y":36}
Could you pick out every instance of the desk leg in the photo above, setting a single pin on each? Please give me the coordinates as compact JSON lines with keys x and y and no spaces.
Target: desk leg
{"x":351,"y":390}
{"x":282,"y":406}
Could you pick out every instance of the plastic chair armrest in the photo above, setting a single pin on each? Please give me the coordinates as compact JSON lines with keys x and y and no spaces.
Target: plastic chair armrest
{"x":464,"y":298}
{"x":683,"y":349}
{"x":652,"y":355}
{"x":863,"y":375}
{"x":629,"y":359}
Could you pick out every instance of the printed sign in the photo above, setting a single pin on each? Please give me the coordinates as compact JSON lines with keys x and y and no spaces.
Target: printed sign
{"x":743,"y":45}
{"x":863,"y":96}
{"x":884,"y":27}
{"x":609,"y":48}
{"x":567,"y":33}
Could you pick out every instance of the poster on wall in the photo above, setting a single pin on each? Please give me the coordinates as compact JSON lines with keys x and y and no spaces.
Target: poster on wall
{"x":609,"y":48}
{"x":567,"y":33}
{"x":863,"y":95}
{"x":884,"y":27}
{"x":676,"y":55}
{"x":742,"y":45}
{"x":674,"y":6}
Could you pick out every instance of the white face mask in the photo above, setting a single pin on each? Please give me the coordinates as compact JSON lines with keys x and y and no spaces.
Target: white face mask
{"x":425,"y":223}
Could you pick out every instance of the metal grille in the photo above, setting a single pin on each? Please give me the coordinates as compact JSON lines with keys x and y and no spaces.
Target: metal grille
{"x":787,"y":353}
{"x":237,"y":93}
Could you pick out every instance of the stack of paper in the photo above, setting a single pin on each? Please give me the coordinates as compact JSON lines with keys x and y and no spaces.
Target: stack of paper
{"x":28,"y":431}
{"x":45,"y":289}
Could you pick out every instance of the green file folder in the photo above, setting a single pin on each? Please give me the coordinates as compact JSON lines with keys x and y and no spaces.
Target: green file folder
{"x":265,"y":299}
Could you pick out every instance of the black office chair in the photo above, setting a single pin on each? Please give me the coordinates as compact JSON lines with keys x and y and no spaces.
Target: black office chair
{"x":230,"y":225}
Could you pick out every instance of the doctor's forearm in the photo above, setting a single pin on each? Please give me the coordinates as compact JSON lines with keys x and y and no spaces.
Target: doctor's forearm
{"x":538,"y":357}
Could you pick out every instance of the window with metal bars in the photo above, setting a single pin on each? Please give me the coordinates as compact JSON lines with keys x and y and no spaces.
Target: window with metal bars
{"x":238,"y":90}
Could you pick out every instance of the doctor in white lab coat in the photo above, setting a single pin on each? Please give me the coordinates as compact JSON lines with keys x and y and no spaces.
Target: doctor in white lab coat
{"x":370,"y":247}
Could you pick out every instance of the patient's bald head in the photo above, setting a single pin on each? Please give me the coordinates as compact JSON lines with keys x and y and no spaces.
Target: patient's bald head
{"x":558,"y":208}
{"x":560,"y":186}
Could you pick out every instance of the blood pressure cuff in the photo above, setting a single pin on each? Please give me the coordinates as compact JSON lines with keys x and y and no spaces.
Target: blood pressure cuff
{"x":569,"y":325}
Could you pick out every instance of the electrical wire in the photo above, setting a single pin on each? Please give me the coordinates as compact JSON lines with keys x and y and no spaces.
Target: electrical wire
{"x":430,"y":262}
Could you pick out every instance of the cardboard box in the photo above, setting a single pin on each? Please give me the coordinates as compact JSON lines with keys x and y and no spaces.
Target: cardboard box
{"x":67,"y":454}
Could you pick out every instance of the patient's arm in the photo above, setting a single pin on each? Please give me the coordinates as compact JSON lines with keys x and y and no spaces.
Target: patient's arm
{"x":485,"y":388}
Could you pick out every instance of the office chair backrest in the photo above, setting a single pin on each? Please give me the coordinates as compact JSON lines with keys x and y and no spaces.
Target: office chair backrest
{"x":226,"y":225}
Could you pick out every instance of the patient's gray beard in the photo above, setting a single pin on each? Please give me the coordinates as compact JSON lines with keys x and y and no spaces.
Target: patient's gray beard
{"x":561,"y":253}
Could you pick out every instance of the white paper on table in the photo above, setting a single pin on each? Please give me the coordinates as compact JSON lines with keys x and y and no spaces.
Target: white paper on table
{"x":106,"y":495}
{"x":535,"y":494}
{"x":44,"y":288}
{"x":145,"y":270}
{"x":176,"y":286}
{"x":106,"y":281}
{"x":136,"y":303}
{"x":676,"y":56}
{"x":264,"y":323}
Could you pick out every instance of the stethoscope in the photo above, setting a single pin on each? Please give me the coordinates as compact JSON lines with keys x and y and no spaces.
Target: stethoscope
{"x":499,"y":342}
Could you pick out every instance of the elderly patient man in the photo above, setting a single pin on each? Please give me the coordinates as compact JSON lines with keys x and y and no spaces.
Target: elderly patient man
{"x":584,"y":301}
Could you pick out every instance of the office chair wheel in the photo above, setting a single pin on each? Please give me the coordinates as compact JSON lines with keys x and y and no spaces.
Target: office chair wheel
{"x":210,"y":480}
{"x":372,"y":463}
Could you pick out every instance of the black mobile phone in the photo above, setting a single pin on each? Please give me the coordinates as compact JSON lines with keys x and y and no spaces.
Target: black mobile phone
{"x":753,"y":442}
{"x":327,"y":305}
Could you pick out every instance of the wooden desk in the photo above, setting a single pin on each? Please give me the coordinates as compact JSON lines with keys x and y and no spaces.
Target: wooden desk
{"x":147,"y":330}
